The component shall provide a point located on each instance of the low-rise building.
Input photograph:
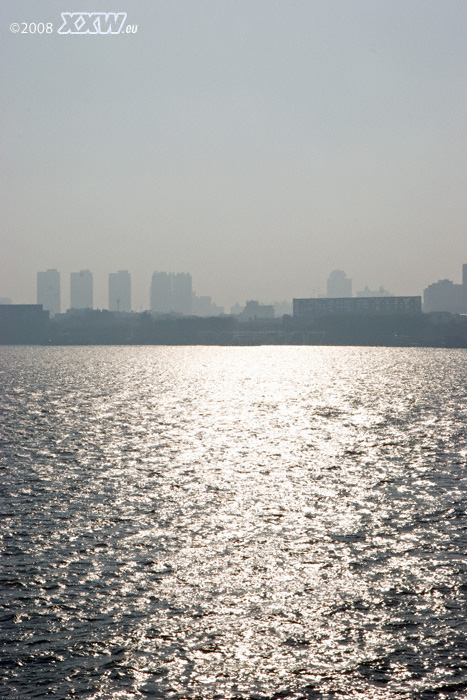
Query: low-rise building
(253, 309)
(23, 324)
(345, 306)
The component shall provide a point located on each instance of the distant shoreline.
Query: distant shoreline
(33, 327)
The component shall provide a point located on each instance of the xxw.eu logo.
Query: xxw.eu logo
(92, 22)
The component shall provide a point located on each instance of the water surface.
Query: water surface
(268, 522)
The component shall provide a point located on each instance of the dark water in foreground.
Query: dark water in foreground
(264, 522)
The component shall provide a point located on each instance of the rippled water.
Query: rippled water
(270, 522)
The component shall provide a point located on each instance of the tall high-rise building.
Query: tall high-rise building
(161, 293)
(171, 293)
(120, 291)
(339, 285)
(182, 293)
(443, 295)
(48, 291)
(81, 290)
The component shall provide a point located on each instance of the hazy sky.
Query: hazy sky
(258, 144)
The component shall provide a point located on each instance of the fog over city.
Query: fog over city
(257, 146)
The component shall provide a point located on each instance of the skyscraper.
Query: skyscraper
(182, 293)
(171, 293)
(48, 291)
(81, 290)
(120, 291)
(161, 293)
(443, 295)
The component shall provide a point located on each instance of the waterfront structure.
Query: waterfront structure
(23, 324)
(171, 293)
(81, 290)
(48, 291)
(339, 285)
(120, 291)
(346, 306)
